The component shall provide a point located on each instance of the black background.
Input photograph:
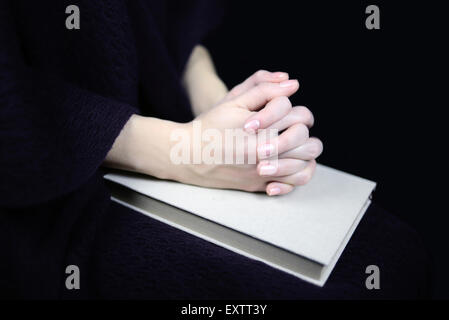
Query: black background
(377, 95)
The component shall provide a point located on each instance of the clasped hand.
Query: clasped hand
(262, 102)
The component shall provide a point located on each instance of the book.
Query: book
(302, 233)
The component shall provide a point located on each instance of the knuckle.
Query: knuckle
(260, 74)
(284, 101)
(316, 147)
(298, 135)
(260, 88)
(307, 115)
(263, 89)
(302, 130)
(301, 164)
(303, 178)
(234, 92)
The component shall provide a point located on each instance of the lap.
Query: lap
(138, 257)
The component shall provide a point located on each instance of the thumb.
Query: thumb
(258, 96)
(274, 111)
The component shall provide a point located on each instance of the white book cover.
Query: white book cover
(302, 233)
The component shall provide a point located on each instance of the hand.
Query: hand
(144, 144)
(297, 151)
(204, 87)
(295, 166)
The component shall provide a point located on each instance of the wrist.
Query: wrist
(201, 81)
(145, 146)
(150, 147)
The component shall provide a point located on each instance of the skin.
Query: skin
(260, 102)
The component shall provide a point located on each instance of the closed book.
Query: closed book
(302, 233)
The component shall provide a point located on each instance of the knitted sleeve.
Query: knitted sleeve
(53, 134)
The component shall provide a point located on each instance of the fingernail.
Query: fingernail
(287, 83)
(265, 150)
(267, 170)
(252, 126)
(280, 75)
(274, 191)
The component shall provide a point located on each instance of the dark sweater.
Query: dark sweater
(64, 97)
(66, 94)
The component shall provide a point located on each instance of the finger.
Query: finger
(300, 178)
(259, 95)
(278, 188)
(258, 77)
(274, 111)
(311, 149)
(296, 115)
(282, 167)
(291, 138)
